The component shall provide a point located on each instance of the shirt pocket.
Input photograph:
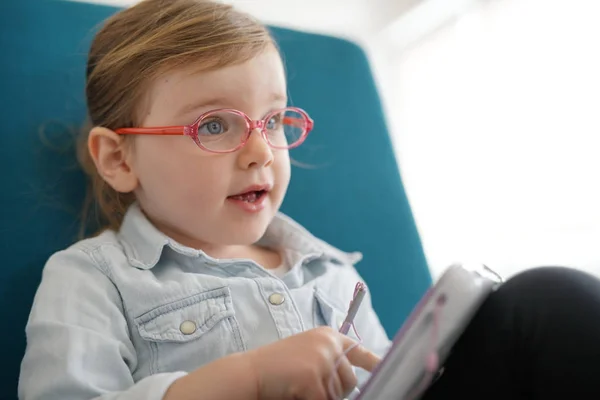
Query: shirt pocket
(328, 311)
(188, 333)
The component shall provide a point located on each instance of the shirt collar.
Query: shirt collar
(143, 243)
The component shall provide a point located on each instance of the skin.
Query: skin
(183, 189)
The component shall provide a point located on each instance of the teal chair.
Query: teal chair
(348, 190)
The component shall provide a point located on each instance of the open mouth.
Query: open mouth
(250, 197)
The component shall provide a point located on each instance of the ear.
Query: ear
(112, 156)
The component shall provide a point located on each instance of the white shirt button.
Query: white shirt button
(187, 327)
(276, 299)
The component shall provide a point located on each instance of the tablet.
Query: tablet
(423, 343)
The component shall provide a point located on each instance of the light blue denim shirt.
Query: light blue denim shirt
(122, 315)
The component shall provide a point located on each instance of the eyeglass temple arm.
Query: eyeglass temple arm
(298, 122)
(165, 130)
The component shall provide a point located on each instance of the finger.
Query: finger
(360, 356)
(317, 392)
(334, 386)
(347, 377)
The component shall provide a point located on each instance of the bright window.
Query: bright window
(496, 120)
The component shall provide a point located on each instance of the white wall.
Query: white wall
(352, 19)
(494, 108)
(496, 124)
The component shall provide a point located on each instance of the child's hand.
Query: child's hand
(301, 367)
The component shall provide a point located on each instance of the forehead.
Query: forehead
(253, 87)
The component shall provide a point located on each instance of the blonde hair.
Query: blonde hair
(134, 47)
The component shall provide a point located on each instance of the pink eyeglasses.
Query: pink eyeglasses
(227, 130)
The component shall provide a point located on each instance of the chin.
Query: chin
(244, 238)
(247, 231)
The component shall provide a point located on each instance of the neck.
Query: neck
(265, 257)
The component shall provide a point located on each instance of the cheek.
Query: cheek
(282, 170)
(176, 174)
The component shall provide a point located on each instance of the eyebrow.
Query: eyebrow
(222, 101)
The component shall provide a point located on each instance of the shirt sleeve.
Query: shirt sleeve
(78, 345)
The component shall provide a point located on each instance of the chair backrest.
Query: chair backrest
(351, 195)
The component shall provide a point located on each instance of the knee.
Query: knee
(550, 287)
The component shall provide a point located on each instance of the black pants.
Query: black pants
(537, 337)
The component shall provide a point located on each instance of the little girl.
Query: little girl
(198, 288)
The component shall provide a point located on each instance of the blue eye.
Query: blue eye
(273, 122)
(214, 127)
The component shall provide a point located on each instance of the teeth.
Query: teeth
(248, 197)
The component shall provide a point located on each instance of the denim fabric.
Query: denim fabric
(124, 314)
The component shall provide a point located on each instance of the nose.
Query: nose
(256, 152)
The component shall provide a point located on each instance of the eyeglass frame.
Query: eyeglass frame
(191, 130)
